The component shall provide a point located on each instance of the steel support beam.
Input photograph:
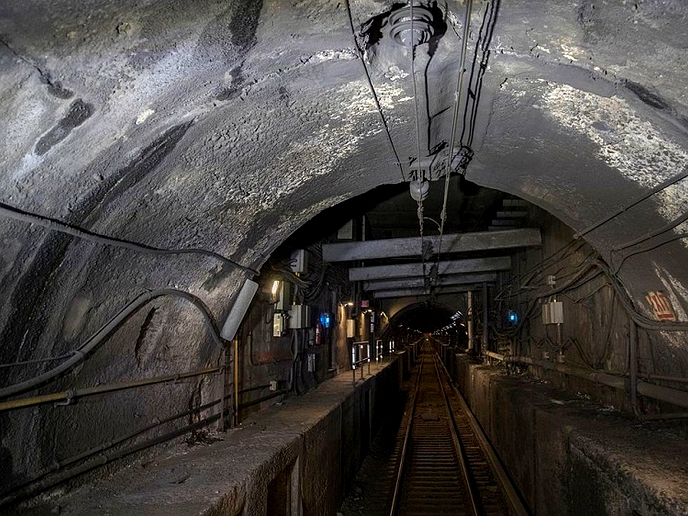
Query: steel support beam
(420, 292)
(511, 214)
(413, 270)
(454, 279)
(455, 243)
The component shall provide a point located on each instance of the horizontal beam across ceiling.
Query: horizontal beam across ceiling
(406, 283)
(408, 247)
(418, 292)
(414, 270)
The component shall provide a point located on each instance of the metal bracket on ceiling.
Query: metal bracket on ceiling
(400, 23)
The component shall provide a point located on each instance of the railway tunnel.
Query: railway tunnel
(233, 232)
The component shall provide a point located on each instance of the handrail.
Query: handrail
(355, 363)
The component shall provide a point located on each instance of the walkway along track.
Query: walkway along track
(446, 464)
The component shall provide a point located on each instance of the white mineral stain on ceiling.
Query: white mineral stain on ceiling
(634, 147)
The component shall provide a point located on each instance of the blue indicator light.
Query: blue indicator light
(513, 317)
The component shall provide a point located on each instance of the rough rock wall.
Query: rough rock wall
(227, 125)
(595, 334)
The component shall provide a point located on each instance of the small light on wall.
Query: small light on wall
(275, 290)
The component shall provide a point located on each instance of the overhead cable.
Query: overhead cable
(455, 120)
(647, 248)
(68, 229)
(420, 175)
(652, 234)
(361, 56)
(99, 336)
(661, 186)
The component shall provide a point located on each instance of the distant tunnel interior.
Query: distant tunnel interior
(239, 228)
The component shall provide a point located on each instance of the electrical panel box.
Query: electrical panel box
(311, 362)
(299, 317)
(299, 261)
(553, 313)
(350, 328)
(346, 232)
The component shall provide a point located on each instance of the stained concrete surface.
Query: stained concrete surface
(227, 125)
(570, 455)
(233, 474)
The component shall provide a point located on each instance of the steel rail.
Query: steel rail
(404, 449)
(513, 498)
(460, 451)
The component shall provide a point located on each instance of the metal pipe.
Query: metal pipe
(633, 363)
(236, 381)
(20, 491)
(222, 426)
(662, 378)
(104, 459)
(661, 186)
(90, 391)
(471, 342)
(105, 330)
(256, 388)
(660, 417)
(61, 465)
(485, 320)
(666, 394)
(494, 355)
(260, 400)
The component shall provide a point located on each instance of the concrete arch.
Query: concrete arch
(201, 125)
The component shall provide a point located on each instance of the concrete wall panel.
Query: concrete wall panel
(568, 455)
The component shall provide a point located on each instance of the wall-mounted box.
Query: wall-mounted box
(346, 232)
(299, 261)
(350, 328)
(553, 313)
(299, 317)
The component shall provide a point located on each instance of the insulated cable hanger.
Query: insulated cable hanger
(455, 120)
(420, 175)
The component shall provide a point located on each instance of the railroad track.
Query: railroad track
(446, 465)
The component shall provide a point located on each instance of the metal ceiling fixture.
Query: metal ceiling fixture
(419, 189)
(411, 25)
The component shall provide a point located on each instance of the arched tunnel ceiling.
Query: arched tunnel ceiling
(226, 125)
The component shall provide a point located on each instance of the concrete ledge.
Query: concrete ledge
(304, 453)
(569, 455)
